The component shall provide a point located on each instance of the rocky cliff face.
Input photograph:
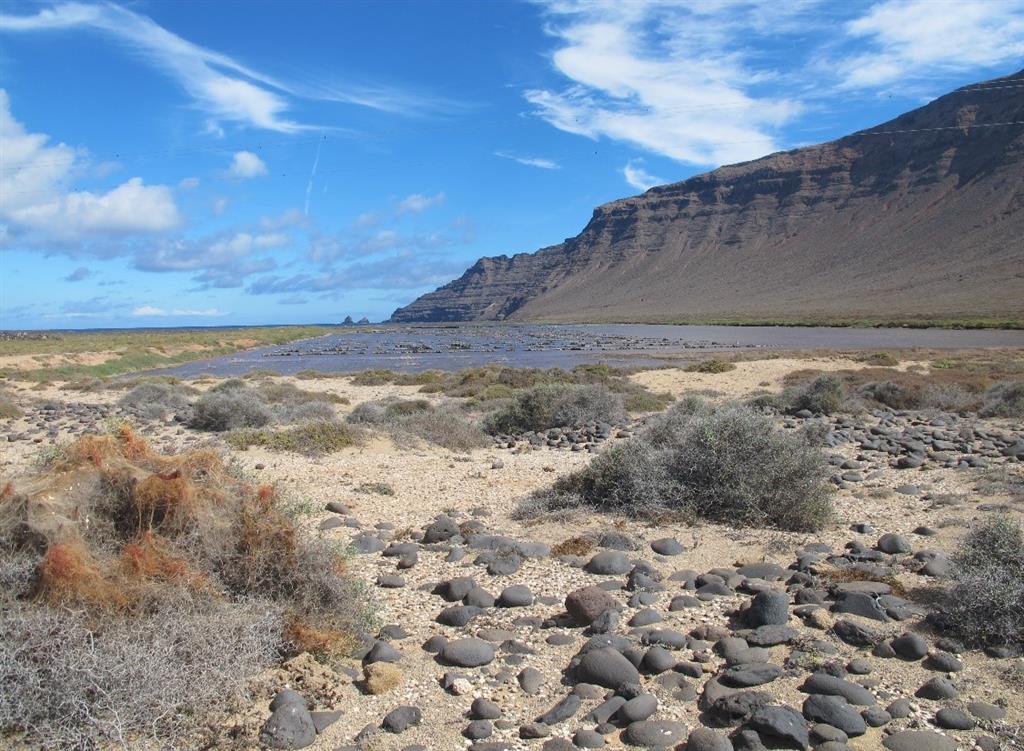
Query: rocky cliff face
(922, 216)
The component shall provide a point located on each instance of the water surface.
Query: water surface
(412, 348)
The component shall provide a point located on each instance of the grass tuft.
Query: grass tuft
(314, 438)
(714, 365)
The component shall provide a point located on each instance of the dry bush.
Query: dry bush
(555, 405)
(1005, 399)
(141, 591)
(230, 409)
(984, 606)
(445, 425)
(154, 400)
(233, 405)
(572, 546)
(8, 410)
(148, 679)
(726, 464)
(823, 395)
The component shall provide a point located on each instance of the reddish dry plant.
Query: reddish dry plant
(303, 636)
(67, 573)
(7, 493)
(132, 446)
(149, 558)
(164, 500)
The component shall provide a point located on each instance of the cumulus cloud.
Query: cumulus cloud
(245, 164)
(638, 177)
(36, 180)
(418, 202)
(530, 161)
(224, 88)
(404, 271)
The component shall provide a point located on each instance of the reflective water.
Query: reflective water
(455, 346)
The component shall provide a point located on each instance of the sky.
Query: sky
(221, 163)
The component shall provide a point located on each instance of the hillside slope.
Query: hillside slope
(881, 224)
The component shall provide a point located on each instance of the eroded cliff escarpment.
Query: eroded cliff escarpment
(920, 217)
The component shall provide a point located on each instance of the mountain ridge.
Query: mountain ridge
(920, 217)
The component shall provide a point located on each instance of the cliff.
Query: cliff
(920, 217)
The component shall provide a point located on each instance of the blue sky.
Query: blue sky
(174, 163)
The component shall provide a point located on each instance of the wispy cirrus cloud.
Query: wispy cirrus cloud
(659, 76)
(227, 90)
(913, 39)
(638, 177)
(722, 81)
(530, 161)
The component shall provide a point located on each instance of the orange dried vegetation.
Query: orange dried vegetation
(68, 573)
(164, 501)
(303, 636)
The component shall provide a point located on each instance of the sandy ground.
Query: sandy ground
(489, 483)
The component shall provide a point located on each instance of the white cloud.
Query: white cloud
(638, 177)
(218, 205)
(35, 182)
(227, 90)
(418, 202)
(245, 165)
(919, 38)
(530, 161)
(188, 183)
(665, 77)
(223, 252)
(145, 311)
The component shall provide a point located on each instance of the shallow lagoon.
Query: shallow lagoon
(455, 346)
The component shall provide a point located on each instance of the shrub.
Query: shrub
(8, 410)
(313, 438)
(145, 678)
(823, 395)
(646, 401)
(375, 488)
(1005, 399)
(154, 400)
(446, 425)
(714, 365)
(727, 464)
(892, 395)
(555, 405)
(158, 587)
(985, 602)
(878, 359)
(230, 408)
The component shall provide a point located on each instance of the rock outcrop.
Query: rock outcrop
(920, 217)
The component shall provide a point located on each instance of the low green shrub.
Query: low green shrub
(714, 365)
(726, 464)
(313, 438)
